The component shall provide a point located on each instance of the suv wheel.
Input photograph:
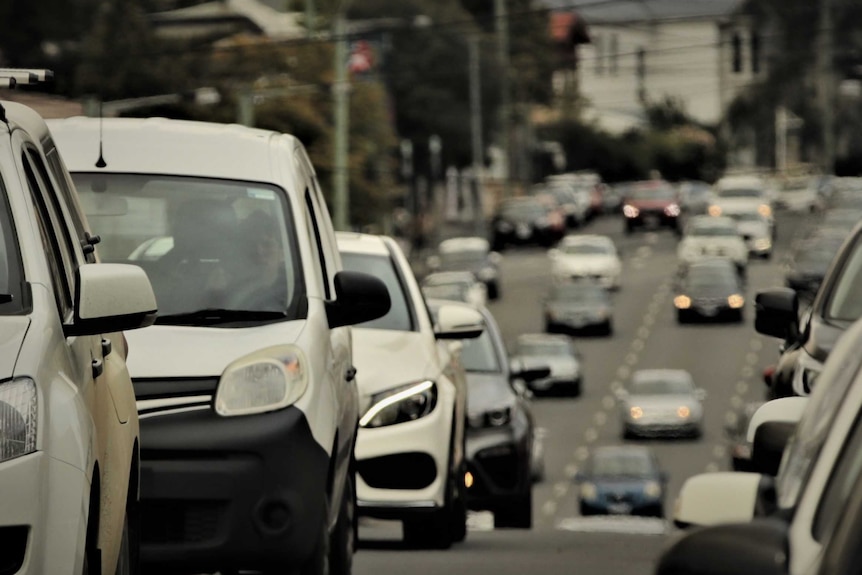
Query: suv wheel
(459, 508)
(342, 542)
(124, 561)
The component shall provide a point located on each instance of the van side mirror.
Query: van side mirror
(770, 439)
(359, 297)
(776, 313)
(112, 297)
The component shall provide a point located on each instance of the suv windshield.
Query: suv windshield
(649, 192)
(11, 274)
(213, 249)
(739, 193)
(845, 299)
(399, 317)
(479, 355)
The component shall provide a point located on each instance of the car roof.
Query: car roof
(542, 337)
(164, 146)
(27, 119)
(450, 277)
(359, 243)
(664, 374)
(572, 239)
(463, 243)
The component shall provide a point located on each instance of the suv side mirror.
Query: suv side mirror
(777, 313)
(767, 449)
(112, 297)
(359, 297)
(458, 322)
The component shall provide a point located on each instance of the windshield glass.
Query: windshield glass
(585, 249)
(479, 355)
(205, 244)
(713, 230)
(704, 279)
(451, 291)
(557, 348)
(399, 317)
(845, 299)
(11, 272)
(621, 463)
(660, 386)
(739, 193)
(462, 257)
(649, 192)
(523, 210)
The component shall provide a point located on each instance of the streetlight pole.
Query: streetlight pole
(341, 96)
(501, 19)
(476, 128)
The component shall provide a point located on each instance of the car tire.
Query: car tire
(574, 390)
(607, 328)
(459, 509)
(517, 514)
(682, 317)
(431, 531)
(124, 560)
(342, 541)
(584, 511)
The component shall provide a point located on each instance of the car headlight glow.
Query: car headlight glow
(630, 211)
(683, 412)
(401, 404)
(652, 489)
(589, 491)
(764, 210)
(735, 301)
(18, 418)
(682, 302)
(636, 412)
(714, 210)
(672, 210)
(762, 243)
(267, 380)
(805, 373)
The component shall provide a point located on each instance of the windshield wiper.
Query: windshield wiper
(213, 316)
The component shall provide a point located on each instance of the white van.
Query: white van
(245, 385)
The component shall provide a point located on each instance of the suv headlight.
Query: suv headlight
(398, 405)
(18, 418)
(805, 373)
(267, 380)
(652, 489)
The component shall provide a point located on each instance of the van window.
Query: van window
(845, 301)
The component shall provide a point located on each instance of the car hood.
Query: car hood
(699, 242)
(588, 263)
(388, 358)
(13, 329)
(753, 229)
(737, 205)
(577, 307)
(186, 351)
(608, 484)
(488, 391)
(822, 337)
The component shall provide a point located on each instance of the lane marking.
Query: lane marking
(741, 387)
(549, 507)
(628, 525)
(560, 489)
(608, 402)
(638, 345)
(591, 435)
(600, 418)
(752, 358)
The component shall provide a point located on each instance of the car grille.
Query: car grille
(160, 395)
(398, 471)
(169, 521)
(619, 497)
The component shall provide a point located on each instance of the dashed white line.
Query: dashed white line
(560, 489)
(608, 402)
(600, 418)
(631, 359)
(591, 435)
(638, 345)
(741, 387)
(752, 358)
(549, 507)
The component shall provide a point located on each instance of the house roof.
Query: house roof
(624, 11)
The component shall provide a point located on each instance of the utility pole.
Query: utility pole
(826, 85)
(341, 96)
(476, 127)
(310, 17)
(501, 19)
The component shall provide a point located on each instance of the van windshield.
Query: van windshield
(216, 251)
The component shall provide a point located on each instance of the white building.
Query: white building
(698, 52)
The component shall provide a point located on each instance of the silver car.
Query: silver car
(661, 402)
(555, 351)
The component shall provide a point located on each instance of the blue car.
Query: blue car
(622, 480)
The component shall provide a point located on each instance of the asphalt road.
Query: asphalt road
(725, 359)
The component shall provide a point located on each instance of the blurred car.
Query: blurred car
(587, 256)
(409, 457)
(807, 265)
(612, 198)
(558, 353)
(578, 306)
(472, 254)
(799, 194)
(500, 431)
(735, 194)
(757, 232)
(694, 197)
(736, 432)
(525, 220)
(574, 208)
(708, 237)
(841, 219)
(621, 480)
(709, 289)
(459, 286)
(661, 402)
(651, 204)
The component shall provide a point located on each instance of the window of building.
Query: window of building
(755, 52)
(613, 65)
(737, 53)
(599, 54)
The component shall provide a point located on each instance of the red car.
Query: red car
(652, 204)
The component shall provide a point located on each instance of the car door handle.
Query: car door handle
(98, 368)
(350, 374)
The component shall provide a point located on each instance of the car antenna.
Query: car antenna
(100, 163)
(12, 77)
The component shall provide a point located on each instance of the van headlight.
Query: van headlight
(267, 380)
(401, 404)
(18, 418)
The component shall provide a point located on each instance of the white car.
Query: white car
(586, 256)
(733, 194)
(245, 383)
(69, 433)
(460, 286)
(413, 391)
(757, 230)
(707, 237)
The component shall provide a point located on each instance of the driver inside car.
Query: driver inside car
(262, 285)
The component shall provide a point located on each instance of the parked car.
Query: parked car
(793, 516)
(459, 286)
(621, 480)
(661, 402)
(410, 456)
(578, 306)
(709, 290)
(556, 351)
(501, 435)
(587, 256)
(469, 254)
(524, 220)
(244, 384)
(808, 338)
(69, 432)
(651, 204)
(708, 237)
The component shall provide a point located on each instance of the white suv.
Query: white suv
(69, 440)
(245, 385)
(413, 393)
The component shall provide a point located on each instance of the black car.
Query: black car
(709, 290)
(578, 306)
(525, 220)
(809, 339)
(500, 430)
(621, 480)
(471, 254)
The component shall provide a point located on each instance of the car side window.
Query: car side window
(322, 224)
(64, 185)
(843, 480)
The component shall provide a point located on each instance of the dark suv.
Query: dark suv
(652, 204)
(809, 339)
